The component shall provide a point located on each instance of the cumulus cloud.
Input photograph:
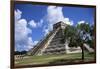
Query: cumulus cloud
(22, 40)
(40, 23)
(21, 32)
(35, 42)
(17, 14)
(54, 15)
(32, 23)
(45, 30)
(31, 43)
(82, 21)
(67, 21)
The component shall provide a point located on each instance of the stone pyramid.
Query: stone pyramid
(53, 43)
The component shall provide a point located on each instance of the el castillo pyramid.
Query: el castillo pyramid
(53, 43)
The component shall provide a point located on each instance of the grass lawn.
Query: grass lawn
(48, 59)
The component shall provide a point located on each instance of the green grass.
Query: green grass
(47, 59)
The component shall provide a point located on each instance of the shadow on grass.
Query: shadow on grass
(65, 61)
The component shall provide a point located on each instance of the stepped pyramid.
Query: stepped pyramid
(53, 43)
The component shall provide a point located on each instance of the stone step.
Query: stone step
(54, 40)
(55, 49)
(88, 48)
(56, 45)
(55, 52)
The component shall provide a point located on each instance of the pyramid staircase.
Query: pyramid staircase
(53, 43)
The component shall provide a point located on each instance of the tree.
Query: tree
(70, 32)
(23, 52)
(72, 35)
(16, 53)
(92, 34)
(77, 36)
(84, 34)
(20, 52)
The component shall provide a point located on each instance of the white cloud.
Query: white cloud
(35, 42)
(67, 21)
(22, 41)
(21, 30)
(30, 43)
(40, 23)
(54, 15)
(82, 21)
(18, 14)
(45, 30)
(32, 23)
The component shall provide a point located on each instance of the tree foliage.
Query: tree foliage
(78, 35)
(20, 52)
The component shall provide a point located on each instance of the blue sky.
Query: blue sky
(33, 22)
